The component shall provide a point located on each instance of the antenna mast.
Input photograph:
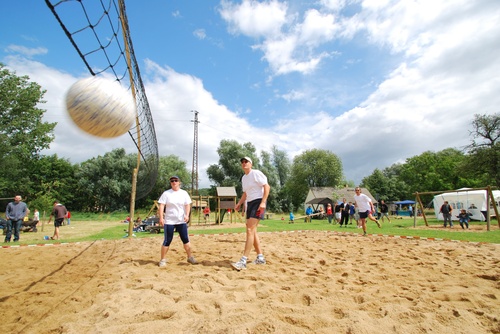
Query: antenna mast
(194, 172)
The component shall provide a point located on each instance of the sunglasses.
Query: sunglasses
(174, 180)
(244, 161)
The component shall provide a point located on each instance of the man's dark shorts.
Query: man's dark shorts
(364, 214)
(58, 222)
(253, 208)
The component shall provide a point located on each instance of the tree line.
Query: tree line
(102, 184)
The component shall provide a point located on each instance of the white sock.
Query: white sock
(244, 259)
(260, 256)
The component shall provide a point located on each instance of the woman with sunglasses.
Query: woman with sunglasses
(175, 206)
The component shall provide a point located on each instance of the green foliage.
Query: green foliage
(281, 201)
(313, 168)
(228, 172)
(484, 151)
(168, 166)
(104, 183)
(53, 178)
(23, 134)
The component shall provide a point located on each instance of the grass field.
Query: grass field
(90, 227)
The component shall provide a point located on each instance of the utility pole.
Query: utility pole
(194, 171)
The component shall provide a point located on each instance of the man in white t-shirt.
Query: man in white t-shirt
(175, 206)
(365, 207)
(255, 193)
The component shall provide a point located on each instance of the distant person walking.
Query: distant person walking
(15, 213)
(255, 193)
(384, 211)
(365, 206)
(59, 212)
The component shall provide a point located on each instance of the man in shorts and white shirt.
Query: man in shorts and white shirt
(255, 193)
(365, 206)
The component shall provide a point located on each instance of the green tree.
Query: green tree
(168, 166)
(433, 171)
(484, 151)
(387, 184)
(104, 183)
(271, 172)
(282, 164)
(228, 172)
(23, 134)
(53, 178)
(313, 168)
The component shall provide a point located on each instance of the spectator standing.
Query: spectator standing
(446, 210)
(344, 214)
(36, 217)
(352, 213)
(68, 217)
(329, 213)
(15, 213)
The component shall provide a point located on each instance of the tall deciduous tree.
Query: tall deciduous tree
(484, 151)
(23, 134)
(228, 172)
(282, 164)
(432, 171)
(386, 184)
(168, 166)
(313, 168)
(104, 183)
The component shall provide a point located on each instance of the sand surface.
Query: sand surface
(313, 282)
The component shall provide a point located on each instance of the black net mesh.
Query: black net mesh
(98, 30)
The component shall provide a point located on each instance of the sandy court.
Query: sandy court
(317, 282)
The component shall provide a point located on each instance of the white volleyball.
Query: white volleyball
(101, 107)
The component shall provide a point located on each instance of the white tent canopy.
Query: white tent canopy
(473, 201)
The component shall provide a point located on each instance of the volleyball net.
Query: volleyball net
(99, 32)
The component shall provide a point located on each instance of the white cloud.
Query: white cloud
(253, 18)
(28, 52)
(200, 33)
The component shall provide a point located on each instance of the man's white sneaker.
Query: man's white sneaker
(163, 263)
(259, 260)
(239, 265)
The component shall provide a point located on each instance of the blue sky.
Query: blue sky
(374, 82)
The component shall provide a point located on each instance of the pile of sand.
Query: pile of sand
(321, 282)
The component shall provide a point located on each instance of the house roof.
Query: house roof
(226, 191)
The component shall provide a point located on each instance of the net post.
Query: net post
(132, 203)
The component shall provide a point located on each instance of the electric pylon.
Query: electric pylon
(194, 172)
